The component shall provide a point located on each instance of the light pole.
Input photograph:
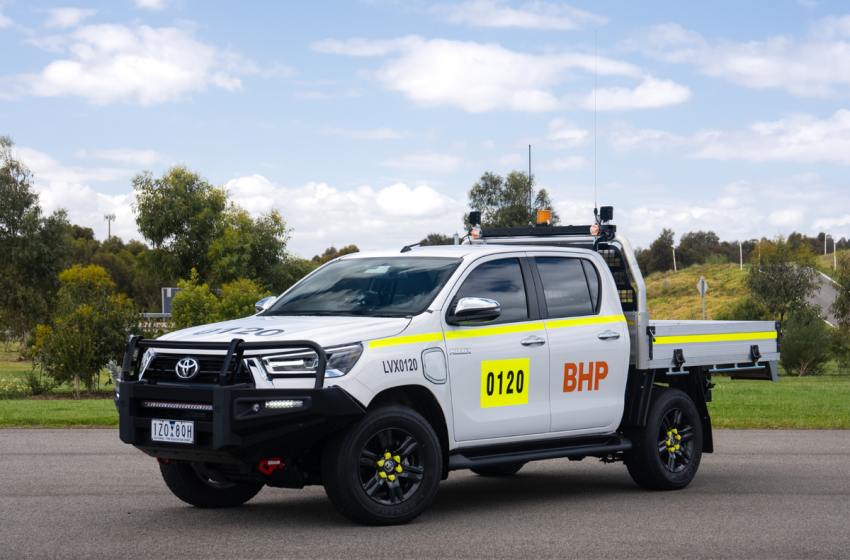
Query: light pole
(674, 260)
(741, 252)
(109, 219)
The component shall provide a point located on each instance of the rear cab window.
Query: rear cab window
(570, 286)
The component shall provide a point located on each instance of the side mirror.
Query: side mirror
(264, 303)
(474, 309)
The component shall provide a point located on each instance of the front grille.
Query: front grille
(162, 369)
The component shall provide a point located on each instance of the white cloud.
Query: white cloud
(533, 15)
(562, 135)
(426, 160)
(488, 144)
(808, 3)
(144, 65)
(124, 155)
(5, 21)
(650, 94)
(153, 5)
(799, 138)
(49, 169)
(382, 133)
(369, 218)
(817, 65)
(67, 17)
(486, 77)
(49, 43)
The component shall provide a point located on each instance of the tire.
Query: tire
(198, 486)
(658, 460)
(384, 470)
(499, 470)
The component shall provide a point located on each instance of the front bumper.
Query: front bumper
(233, 432)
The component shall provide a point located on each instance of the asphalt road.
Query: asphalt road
(824, 297)
(763, 494)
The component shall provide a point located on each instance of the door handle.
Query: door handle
(533, 341)
(609, 335)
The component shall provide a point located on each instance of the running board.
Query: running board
(487, 456)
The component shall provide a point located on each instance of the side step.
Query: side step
(490, 455)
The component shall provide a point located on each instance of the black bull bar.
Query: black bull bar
(232, 423)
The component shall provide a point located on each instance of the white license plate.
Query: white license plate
(174, 431)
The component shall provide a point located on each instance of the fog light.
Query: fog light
(284, 404)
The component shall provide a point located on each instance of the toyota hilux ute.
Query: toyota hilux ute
(380, 372)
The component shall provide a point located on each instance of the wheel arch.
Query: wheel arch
(423, 401)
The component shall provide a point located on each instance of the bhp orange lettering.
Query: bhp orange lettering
(582, 377)
(569, 378)
(601, 373)
(575, 375)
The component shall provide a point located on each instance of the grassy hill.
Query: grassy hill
(674, 295)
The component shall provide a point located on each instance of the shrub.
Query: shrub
(716, 258)
(665, 286)
(13, 389)
(238, 299)
(745, 309)
(195, 305)
(805, 342)
(839, 346)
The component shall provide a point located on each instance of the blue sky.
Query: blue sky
(367, 122)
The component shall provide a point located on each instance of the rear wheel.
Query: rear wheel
(200, 486)
(499, 470)
(385, 469)
(666, 452)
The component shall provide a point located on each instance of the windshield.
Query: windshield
(397, 286)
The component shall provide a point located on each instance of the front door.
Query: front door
(588, 343)
(499, 370)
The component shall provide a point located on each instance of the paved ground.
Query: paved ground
(824, 297)
(764, 494)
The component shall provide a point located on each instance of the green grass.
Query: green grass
(68, 413)
(792, 403)
(674, 295)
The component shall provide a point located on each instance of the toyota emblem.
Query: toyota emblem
(187, 368)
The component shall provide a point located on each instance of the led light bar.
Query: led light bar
(284, 404)
(177, 406)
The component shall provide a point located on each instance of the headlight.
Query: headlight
(341, 360)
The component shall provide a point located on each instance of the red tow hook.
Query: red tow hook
(163, 462)
(268, 466)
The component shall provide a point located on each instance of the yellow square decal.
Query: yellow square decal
(504, 382)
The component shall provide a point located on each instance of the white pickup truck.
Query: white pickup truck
(379, 373)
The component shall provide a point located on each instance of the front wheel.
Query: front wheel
(385, 469)
(202, 487)
(666, 452)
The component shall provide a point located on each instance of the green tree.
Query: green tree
(32, 249)
(841, 306)
(504, 201)
(181, 215)
(238, 299)
(194, 305)
(781, 279)
(696, 246)
(90, 328)
(246, 248)
(659, 256)
(805, 342)
(437, 239)
(332, 253)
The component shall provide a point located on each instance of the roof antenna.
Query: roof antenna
(530, 189)
(595, 56)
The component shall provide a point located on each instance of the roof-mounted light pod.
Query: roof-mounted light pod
(544, 217)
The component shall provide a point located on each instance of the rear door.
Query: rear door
(499, 370)
(588, 342)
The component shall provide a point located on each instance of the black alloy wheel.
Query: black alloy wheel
(676, 440)
(666, 453)
(391, 466)
(385, 469)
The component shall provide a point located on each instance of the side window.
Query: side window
(593, 283)
(502, 281)
(565, 287)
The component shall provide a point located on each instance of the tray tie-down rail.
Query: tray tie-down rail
(234, 351)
